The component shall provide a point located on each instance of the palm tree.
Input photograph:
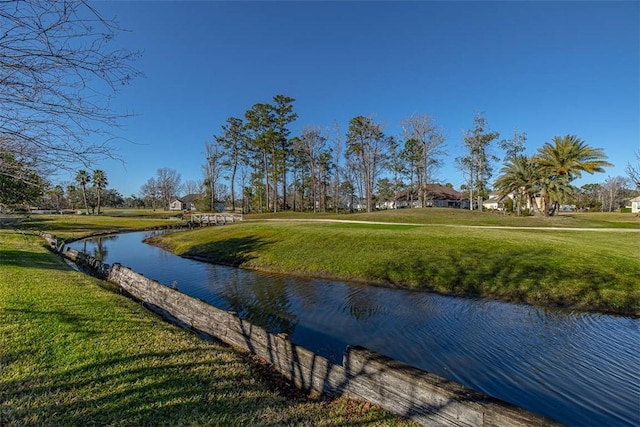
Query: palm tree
(556, 190)
(570, 156)
(519, 176)
(99, 183)
(58, 193)
(562, 161)
(83, 178)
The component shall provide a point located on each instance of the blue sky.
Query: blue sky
(544, 68)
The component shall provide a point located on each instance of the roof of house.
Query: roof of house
(190, 198)
(440, 192)
(493, 199)
(635, 199)
(436, 192)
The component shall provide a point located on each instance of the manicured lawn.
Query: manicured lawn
(75, 353)
(594, 270)
(442, 216)
(77, 226)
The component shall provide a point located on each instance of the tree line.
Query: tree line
(316, 170)
(320, 169)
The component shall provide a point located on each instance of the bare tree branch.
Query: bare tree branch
(58, 75)
(633, 171)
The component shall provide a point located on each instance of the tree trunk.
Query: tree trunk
(84, 196)
(266, 181)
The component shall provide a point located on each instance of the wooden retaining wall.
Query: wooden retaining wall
(363, 375)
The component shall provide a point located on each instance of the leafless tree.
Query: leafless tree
(612, 193)
(150, 192)
(168, 182)
(212, 171)
(367, 149)
(192, 187)
(633, 171)
(477, 163)
(337, 153)
(311, 145)
(428, 139)
(58, 74)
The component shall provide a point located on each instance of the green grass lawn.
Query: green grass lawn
(75, 353)
(595, 270)
(442, 216)
(77, 226)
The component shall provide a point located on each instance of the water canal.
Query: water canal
(581, 369)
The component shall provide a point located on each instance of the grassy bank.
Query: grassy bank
(77, 226)
(580, 269)
(444, 216)
(74, 353)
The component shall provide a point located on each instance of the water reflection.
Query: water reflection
(267, 306)
(361, 306)
(577, 368)
(98, 246)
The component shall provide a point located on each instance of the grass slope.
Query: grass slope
(445, 216)
(70, 227)
(583, 269)
(74, 353)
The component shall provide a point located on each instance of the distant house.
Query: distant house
(493, 203)
(437, 196)
(635, 205)
(186, 203)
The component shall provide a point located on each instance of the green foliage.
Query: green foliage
(20, 185)
(269, 146)
(233, 141)
(99, 183)
(514, 146)
(570, 156)
(520, 177)
(508, 205)
(477, 162)
(549, 174)
(562, 161)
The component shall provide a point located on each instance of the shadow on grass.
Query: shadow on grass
(186, 384)
(154, 388)
(17, 258)
(233, 252)
(517, 276)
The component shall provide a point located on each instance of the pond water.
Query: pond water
(577, 368)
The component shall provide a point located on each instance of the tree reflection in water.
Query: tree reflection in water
(363, 305)
(265, 305)
(99, 247)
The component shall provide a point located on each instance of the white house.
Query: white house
(635, 205)
(185, 203)
(493, 203)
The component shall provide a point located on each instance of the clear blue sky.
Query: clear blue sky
(544, 68)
